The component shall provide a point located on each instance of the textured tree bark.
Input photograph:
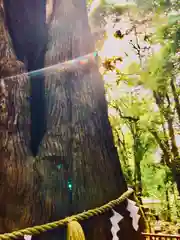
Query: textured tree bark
(16, 179)
(175, 96)
(78, 129)
(26, 21)
(78, 145)
(32, 205)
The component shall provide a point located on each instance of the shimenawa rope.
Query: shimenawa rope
(75, 231)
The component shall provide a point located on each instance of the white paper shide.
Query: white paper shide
(115, 219)
(27, 237)
(133, 209)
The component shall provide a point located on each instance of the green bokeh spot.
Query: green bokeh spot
(95, 54)
(70, 185)
(59, 166)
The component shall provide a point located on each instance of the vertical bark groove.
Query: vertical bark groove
(16, 162)
(26, 21)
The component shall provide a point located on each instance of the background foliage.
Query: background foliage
(142, 86)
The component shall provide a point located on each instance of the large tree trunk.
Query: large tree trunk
(78, 123)
(78, 145)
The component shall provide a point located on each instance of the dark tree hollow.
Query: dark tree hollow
(26, 22)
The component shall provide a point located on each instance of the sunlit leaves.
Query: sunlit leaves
(139, 122)
(157, 71)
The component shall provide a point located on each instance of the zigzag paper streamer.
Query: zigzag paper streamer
(115, 219)
(27, 237)
(133, 209)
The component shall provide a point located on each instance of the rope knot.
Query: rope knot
(75, 231)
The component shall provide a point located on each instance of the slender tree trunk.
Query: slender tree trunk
(137, 160)
(176, 97)
(168, 215)
(174, 191)
(138, 153)
(124, 155)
